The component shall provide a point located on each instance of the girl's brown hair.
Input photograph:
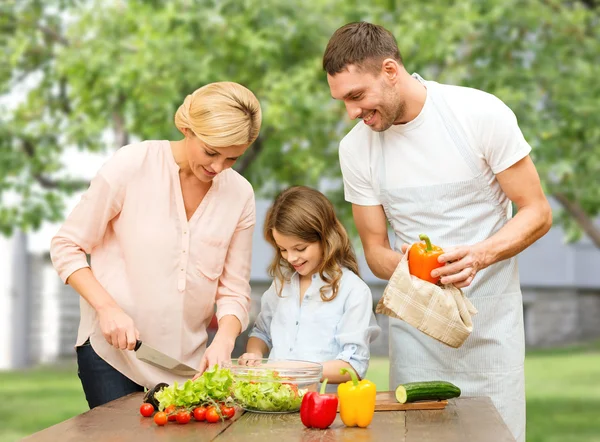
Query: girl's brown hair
(307, 214)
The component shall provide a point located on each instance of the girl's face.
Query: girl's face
(305, 257)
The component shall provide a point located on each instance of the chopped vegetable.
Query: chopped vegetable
(267, 393)
(213, 386)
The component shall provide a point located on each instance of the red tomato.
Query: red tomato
(212, 415)
(160, 418)
(170, 413)
(200, 413)
(147, 410)
(183, 417)
(227, 412)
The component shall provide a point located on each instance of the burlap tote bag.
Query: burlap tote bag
(442, 312)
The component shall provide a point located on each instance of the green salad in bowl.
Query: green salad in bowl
(273, 386)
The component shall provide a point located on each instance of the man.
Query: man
(445, 161)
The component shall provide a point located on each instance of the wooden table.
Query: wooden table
(463, 420)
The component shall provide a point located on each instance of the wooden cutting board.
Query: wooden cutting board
(386, 401)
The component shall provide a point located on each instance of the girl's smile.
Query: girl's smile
(305, 257)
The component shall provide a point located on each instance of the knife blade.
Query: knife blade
(152, 356)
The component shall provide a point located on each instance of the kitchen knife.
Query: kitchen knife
(158, 359)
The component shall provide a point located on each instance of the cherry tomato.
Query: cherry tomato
(200, 413)
(183, 417)
(160, 418)
(147, 410)
(227, 412)
(212, 415)
(169, 411)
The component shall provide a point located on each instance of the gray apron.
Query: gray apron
(491, 361)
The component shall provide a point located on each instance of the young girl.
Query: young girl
(317, 309)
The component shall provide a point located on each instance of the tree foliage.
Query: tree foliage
(97, 74)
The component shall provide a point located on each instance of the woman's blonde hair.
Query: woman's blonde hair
(307, 214)
(221, 114)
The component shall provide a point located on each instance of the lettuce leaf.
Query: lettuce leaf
(213, 385)
(267, 393)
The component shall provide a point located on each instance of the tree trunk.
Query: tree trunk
(251, 154)
(579, 215)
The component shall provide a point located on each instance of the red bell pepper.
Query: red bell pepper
(318, 410)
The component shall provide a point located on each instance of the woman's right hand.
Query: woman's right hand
(251, 359)
(118, 328)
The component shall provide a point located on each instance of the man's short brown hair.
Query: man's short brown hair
(362, 44)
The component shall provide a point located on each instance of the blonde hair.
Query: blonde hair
(221, 114)
(307, 214)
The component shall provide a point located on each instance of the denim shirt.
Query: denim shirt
(318, 330)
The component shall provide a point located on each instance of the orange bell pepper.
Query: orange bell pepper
(423, 258)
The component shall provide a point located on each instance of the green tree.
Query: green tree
(125, 66)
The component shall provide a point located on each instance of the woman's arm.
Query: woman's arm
(233, 291)
(117, 327)
(83, 229)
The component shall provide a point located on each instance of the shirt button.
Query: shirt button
(184, 251)
(182, 270)
(291, 348)
(296, 322)
(185, 233)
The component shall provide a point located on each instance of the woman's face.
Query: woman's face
(206, 162)
(305, 257)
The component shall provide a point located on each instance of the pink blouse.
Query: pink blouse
(166, 272)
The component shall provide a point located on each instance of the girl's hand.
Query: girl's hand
(250, 359)
(118, 328)
(218, 352)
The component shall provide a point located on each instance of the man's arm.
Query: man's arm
(371, 224)
(521, 184)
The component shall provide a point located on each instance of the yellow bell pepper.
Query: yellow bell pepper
(357, 401)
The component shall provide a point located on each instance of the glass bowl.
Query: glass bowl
(273, 385)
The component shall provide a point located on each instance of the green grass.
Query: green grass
(563, 395)
(36, 399)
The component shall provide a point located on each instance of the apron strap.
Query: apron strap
(452, 125)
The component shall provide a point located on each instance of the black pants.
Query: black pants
(101, 382)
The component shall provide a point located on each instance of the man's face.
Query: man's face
(368, 96)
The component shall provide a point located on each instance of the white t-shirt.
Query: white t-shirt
(421, 152)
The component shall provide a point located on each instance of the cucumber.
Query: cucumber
(426, 391)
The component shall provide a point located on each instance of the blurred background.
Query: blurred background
(78, 79)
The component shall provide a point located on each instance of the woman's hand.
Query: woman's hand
(250, 359)
(218, 351)
(118, 328)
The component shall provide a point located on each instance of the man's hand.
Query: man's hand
(462, 264)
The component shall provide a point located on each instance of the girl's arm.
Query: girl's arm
(357, 327)
(331, 371)
(257, 347)
(259, 342)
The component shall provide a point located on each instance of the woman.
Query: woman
(168, 225)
